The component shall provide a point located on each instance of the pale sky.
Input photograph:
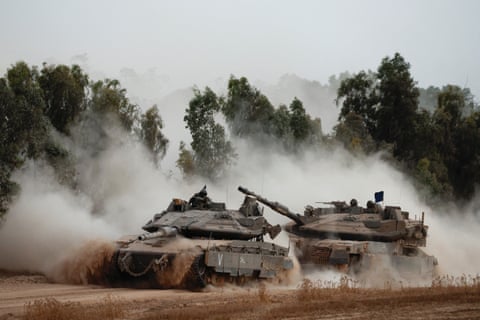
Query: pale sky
(194, 42)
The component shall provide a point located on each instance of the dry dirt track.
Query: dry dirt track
(242, 303)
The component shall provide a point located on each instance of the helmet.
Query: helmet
(353, 203)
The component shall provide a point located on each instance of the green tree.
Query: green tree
(248, 112)
(305, 130)
(299, 120)
(64, 90)
(387, 101)
(211, 150)
(427, 175)
(451, 101)
(358, 95)
(108, 98)
(151, 133)
(29, 106)
(11, 139)
(12, 134)
(447, 119)
(466, 167)
(458, 139)
(186, 161)
(398, 104)
(352, 132)
(427, 162)
(281, 126)
(426, 136)
(23, 127)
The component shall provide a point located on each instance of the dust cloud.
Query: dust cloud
(45, 221)
(120, 189)
(175, 275)
(87, 264)
(453, 239)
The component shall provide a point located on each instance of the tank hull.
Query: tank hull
(357, 257)
(182, 263)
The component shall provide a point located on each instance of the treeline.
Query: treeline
(432, 134)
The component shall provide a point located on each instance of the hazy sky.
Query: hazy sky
(192, 42)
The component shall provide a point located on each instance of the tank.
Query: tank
(198, 242)
(355, 239)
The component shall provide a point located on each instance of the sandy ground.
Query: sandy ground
(17, 290)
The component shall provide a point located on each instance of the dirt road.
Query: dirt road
(18, 291)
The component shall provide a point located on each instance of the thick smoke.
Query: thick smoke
(120, 189)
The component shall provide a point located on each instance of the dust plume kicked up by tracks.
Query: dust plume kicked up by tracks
(87, 264)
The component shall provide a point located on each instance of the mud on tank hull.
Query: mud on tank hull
(193, 264)
(354, 257)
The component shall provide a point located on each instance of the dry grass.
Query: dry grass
(447, 297)
(316, 300)
(262, 293)
(52, 309)
(215, 311)
(310, 290)
(465, 281)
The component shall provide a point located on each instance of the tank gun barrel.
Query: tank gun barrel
(278, 207)
(162, 232)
